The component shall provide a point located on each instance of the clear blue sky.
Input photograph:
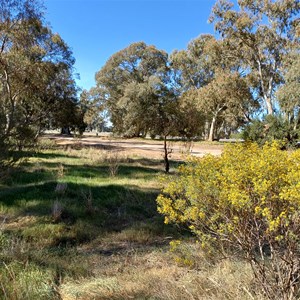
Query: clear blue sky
(96, 29)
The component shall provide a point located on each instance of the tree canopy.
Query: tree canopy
(259, 33)
(133, 85)
(37, 87)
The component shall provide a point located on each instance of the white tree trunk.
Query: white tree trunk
(212, 129)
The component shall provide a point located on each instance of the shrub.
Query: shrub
(247, 201)
(270, 129)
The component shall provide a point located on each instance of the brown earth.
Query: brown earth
(152, 149)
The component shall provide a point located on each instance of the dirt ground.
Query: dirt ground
(152, 149)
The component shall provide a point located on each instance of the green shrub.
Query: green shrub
(247, 201)
(270, 129)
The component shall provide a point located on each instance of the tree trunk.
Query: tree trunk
(212, 129)
(266, 90)
(296, 121)
(269, 105)
(166, 156)
(11, 112)
(206, 129)
(65, 130)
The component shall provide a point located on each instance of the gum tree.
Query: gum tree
(259, 34)
(131, 84)
(211, 79)
(225, 101)
(36, 80)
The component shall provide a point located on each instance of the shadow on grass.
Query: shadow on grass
(109, 202)
(125, 170)
(108, 206)
(89, 212)
(51, 155)
(20, 196)
(19, 177)
(150, 162)
(46, 155)
(47, 171)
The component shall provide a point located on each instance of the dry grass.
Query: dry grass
(57, 210)
(136, 274)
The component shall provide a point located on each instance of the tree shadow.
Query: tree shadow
(19, 177)
(47, 171)
(149, 162)
(50, 155)
(108, 206)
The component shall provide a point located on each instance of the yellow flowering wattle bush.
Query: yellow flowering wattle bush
(247, 199)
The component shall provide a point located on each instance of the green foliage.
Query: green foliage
(259, 33)
(92, 108)
(247, 201)
(36, 80)
(270, 129)
(213, 93)
(225, 100)
(133, 86)
(213, 87)
(289, 93)
(193, 65)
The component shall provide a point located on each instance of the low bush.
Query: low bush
(269, 129)
(245, 202)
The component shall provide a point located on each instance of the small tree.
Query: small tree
(36, 77)
(247, 200)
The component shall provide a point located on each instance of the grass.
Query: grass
(70, 229)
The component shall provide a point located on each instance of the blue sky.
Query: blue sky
(96, 29)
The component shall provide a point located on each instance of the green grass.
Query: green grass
(99, 236)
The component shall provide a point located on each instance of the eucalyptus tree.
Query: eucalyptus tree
(133, 84)
(289, 93)
(36, 77)
(94, 113)
(191, 121)
(191, 70)
(192, 67)
(259, 34)
(213, 85)
(225, 101)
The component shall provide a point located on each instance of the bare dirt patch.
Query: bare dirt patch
(152, 149)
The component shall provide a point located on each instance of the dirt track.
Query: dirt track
(141, 147)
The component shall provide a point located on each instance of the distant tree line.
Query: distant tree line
(247, 76)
